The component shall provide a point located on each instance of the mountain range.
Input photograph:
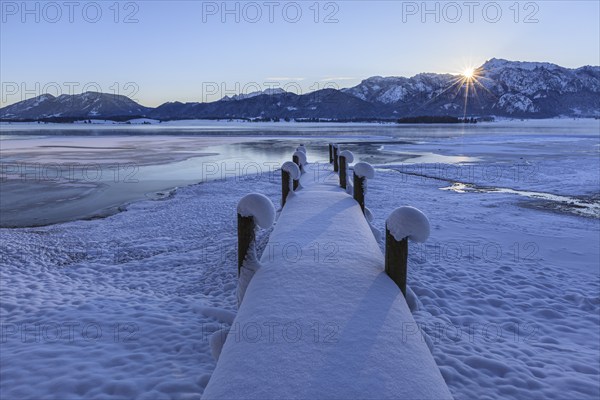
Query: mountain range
(499, 88)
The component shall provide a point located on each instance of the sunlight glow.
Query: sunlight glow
(467, 85)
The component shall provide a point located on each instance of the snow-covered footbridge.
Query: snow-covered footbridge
(322, 314)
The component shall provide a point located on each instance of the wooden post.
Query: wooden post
(335, 159)
(285, 186)
(343, 166)
(359, 191)
(297, 181)
(396, 256)
(330, 153)
(246, 232)
(296, 161)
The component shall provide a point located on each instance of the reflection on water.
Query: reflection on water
(163, 157)
(38, 194)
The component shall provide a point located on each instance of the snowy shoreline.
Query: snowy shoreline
(247, 125)
(495, 311)
(137, 149)
(507, 295)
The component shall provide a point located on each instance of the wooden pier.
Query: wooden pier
(324, 316)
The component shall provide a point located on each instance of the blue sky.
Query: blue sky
(158, 51)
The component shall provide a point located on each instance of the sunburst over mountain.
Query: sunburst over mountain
(497, 88)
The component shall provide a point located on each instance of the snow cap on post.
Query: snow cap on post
(301, 157)
(347, 154)
(259, 207)
(408, 222)
(364, 170)
(292, 169)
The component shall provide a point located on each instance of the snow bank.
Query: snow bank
(408, 222)
(348, 155)
(258, 206)
(144, 289)
(364, 170)
(216, 342)
(292, 169)
(368, 215)
(249, 268)
(220, 314)
(301, 157)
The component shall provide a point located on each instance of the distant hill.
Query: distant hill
(501, 88)
(85, 105)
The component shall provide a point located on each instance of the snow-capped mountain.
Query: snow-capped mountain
(542, 88)
(500, 87)
(242, 96)
(85, 105)
(325, 104)
(393, 90)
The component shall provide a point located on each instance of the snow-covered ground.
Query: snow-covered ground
(120, 307)
(507, 287)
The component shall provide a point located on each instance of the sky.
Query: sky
(159, 51)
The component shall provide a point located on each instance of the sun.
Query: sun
(469, 73)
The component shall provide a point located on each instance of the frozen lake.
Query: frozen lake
(58, 173)
(505, 291)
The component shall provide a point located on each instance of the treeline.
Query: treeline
(344, 120)
(70, 120)
(405, 120)
(300, 120)
(436, 120)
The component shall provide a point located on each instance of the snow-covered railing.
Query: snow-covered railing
(253, 210)
(404, 223)
(362, 172)
(334, 156)
(299, 158)
(345, 157)
(289, 172)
